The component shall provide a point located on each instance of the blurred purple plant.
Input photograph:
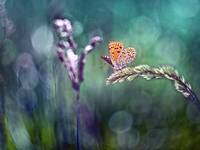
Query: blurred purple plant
(73, 63)
(5, 21)
(7, 26)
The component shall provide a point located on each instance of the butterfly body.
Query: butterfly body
(119, 57)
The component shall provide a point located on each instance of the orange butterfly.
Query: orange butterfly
(119, 56)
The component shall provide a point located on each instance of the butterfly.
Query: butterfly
(119, 57)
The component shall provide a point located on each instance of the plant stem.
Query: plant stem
(78, 147)
(192, 96)
(194, 99)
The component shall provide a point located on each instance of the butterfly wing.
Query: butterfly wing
(115, 50)
(127, 56)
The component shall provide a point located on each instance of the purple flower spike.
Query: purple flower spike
(92, 44)
(94, 41)
(73, 63)
(63, 25)
(67, 26)
(82, 59)
(58, 23)
(64, 30)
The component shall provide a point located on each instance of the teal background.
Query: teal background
(37, 101)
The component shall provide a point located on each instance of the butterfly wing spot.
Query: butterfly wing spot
(115, 49)
(114, 44)
(131, 51)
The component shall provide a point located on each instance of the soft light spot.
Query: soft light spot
(78, 28)
(185, 8)
(27, 74)
(169, 50)
(155, 138)
(145, 31)
(128, 140)
(42, 40)
(2, 2)
(120, 122)
(88, 137)
(29, 78)
(24, 60)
